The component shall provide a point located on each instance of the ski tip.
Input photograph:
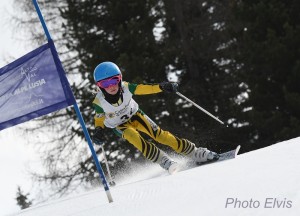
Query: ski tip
(237, 150)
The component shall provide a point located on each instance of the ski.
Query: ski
(227, 155)
(223, 156)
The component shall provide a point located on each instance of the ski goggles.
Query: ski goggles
(109, 82)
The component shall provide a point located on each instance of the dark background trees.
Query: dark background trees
(267, 46)
(237, 59)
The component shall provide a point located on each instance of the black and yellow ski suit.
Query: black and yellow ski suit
(140, 122)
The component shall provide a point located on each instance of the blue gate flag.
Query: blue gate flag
(32, 86)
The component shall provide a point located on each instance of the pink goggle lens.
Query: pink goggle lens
(109, 82)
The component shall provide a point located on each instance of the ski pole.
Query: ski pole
(199, 107)
(111, 181)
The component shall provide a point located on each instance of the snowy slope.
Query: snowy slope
(262, 182)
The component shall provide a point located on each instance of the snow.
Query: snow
(261, 182)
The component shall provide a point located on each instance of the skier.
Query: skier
(116, 109)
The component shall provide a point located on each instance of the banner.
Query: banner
(32, 86)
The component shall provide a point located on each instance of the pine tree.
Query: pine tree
(197, 40)
(22, 199)
(267, 35)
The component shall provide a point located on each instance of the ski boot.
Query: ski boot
(168, 164)
(202, 155)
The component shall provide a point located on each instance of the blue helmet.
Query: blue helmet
(106, 70)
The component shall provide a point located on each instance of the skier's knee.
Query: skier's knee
(130, 134)
(164, 137)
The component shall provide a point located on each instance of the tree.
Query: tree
(198, 45)
(22, 199)
(267, 48)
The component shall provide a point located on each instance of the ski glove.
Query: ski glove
(98, 136)
(169, 87)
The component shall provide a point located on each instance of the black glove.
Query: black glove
(169, 87)
(98, 137)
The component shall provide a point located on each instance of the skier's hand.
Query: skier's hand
(169, 87)
(98, 136)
